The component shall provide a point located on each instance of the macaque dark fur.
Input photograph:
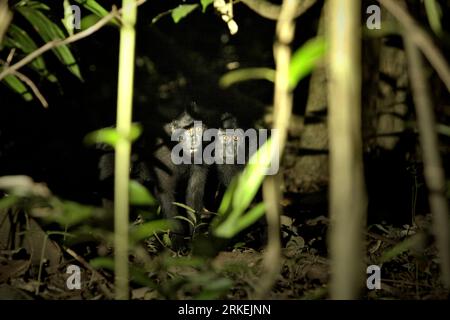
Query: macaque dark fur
(226, 172)
(175, 181)
(183, 183)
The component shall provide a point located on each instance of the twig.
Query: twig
(25, 79)
(56, 43)
(433, 170)
(421, 39)
(60, 42)
(10, 56)
(33, 87)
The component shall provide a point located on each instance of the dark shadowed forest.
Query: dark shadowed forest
(224, 149)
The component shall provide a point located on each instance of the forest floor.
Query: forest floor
(409, 267)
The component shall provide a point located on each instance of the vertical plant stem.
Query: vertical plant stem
(5, 18)
(347, 195)
(282, 113)
(123, 146)
(434, 173)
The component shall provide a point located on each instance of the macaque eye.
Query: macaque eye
(225, 138)
(235, 138)
(199, 129)
(180, 138)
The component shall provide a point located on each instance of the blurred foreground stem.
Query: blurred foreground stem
(347, 194)
(282, 113)
(433, 170)
(123, 146)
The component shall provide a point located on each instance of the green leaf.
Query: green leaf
(105, 135)
(139, 195)
(443, 129)
(251, 216)
(434, 14)
(96, 9)
(305, 59)
(205, 4)
(50, 31)
(70, 213)
(148, 229)
(105, 263)
(32, 4)
(184, 206)
(110, 136)
(182, 11)
(252, 177)
(68, 17)
(89, 21)
(234, 76)
(19, 38)
(230, 227)
(8, 202)
(239, 195)
(192, 223)
(409, 243)
(18, 86)
(226, 203)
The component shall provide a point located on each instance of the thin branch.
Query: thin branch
(33, 87)
(10, 56)
(421, 39)
(433, 170)
(282, 112)
(60, 42)
(56, 43)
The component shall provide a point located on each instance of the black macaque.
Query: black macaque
(173, 180)
(231, 143)
(169, 180)
(221, 174)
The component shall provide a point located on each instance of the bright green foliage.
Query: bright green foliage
(49, 31)
(434, 14)
(110, 136)
(96, 9)
(205, 4)
(68, 17)
(139, 195)
(148, 229)
(182, 11)
(239, 75)
(20, 39)
(305, 59)
(15, 84)
(233, 217)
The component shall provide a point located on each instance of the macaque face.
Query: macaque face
(192, 138)
(229, 142)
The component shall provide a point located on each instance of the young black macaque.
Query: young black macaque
(231, 144)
